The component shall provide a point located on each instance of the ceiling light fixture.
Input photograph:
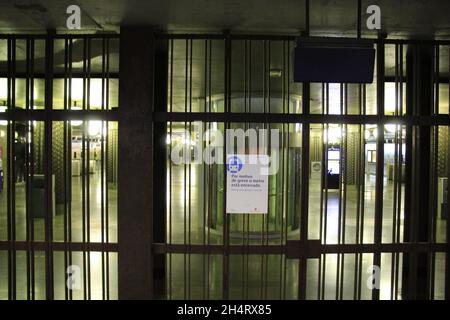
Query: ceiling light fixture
(275, 73)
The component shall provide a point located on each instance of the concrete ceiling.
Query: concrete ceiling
(400, 18)
(405, 18)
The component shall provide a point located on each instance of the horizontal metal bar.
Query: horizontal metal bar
(194, 36)
(212, 36)
(221, 36)
(109, 35)
(59, 115)
(61, 36)
(299, 118)
(295, 249)
(415, 41)
(23, 36)
(161, 248)
(58, 246)
(40, 75)
(311, 250)
(406, 247)
(391, 79)
(115, 75)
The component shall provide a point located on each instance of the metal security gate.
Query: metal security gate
(358, 207)
(58, 146)
(360, 190)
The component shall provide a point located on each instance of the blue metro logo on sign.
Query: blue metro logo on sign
(247, 183)
(234, 164)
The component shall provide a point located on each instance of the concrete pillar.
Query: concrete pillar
(135, 188)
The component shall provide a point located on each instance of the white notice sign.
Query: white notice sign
(247, 183)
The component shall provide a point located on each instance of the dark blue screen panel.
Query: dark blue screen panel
(337, 65)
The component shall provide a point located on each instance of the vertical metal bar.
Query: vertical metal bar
(286, 220)
(447, 233)
(359, 180)
(307, 14)
(358, 33)
(186, 81)
(31, 168)
(380, 162)
(27, 168)
(304, 191)
(325, 186)
(306, 91)
(10, 191)
(394, 256)
(245, 216)
(399, 236)
(264, 94)
(205, 168)
(170, 170)
(83, 195)
(247, 89)
(250, 76)
(88, 178)
(107, 107)
(85, 171)
(264, 74)
(210, 169)
(267, 216)
(245, 74)
(12, 105)
(227, 91)
(10, 186)
(67, 175)
(322, 185)
(69, 162)
(190, 166)
(268, 76)
(66, 160)
(344, 135)
(341, 182)
(48, 162)
(433, 205)
(400, 169)
(363, 171)
(9, 172)
(268, 125)
(285, 163)
(407, 281)
(103, 186)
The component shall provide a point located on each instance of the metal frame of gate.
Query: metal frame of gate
(45, 244)
(303, 248)
(163, 115)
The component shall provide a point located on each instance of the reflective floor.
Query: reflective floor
(272, 276)
(95, 234)
(201, 276)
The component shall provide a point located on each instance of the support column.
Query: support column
(135, 188)
(419, 95)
